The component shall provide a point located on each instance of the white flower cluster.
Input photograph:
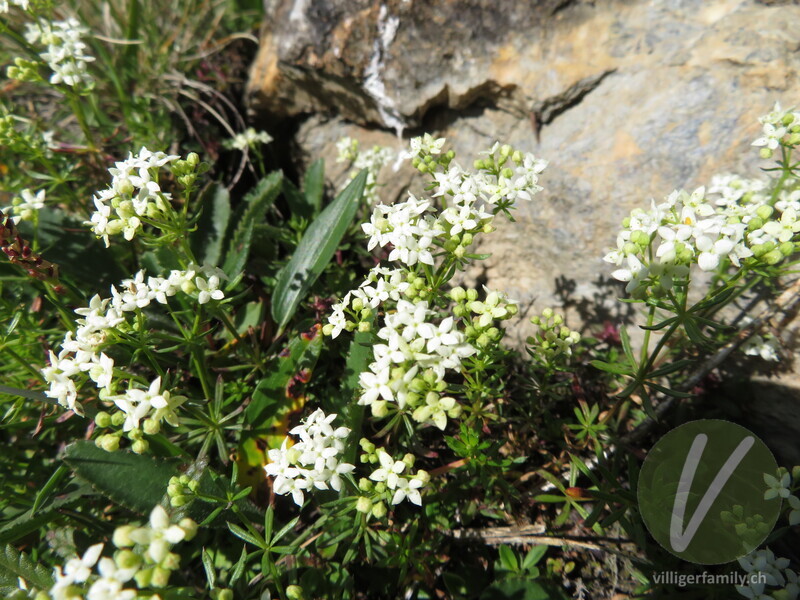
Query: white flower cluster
(81, 349)
(5, 5)
(658, 246)
(401, 486)
(381, 284)
(25, 206)
(134, 194)
(373, 160)
(779, 127)
(249, 138)
(144, 556)
(409, 367)
(66, 54)
(312, 462)
(763, 569)
(408, 226)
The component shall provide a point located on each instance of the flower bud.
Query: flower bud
(144, 577)
(294, 592)
(472, 295)
(458, 294)
(467, 239)
(507, 173)
(366, 445)
(478, 164)
(765, 153)
(102, 419)
(365, 485)
(122, 536)
(151, 426)
(159, 577)
(379, 510)
(192, 159)
(117, 419)
(364, 326)
(380, 409)
(140, 446)
(773, 257)
(786, 248)
(764, 211)
(357, 304)
(127, 559)
(327, 329)
(517, 157)
(109, 442)
(171, 561)
(363, 505)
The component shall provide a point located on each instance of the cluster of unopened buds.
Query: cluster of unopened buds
(553, 339)
(19, 251)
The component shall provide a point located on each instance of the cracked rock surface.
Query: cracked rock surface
(626, 100)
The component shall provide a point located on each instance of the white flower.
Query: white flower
(250, 138)
(66, 53)
(160, 536)
(79, 570)
(777, 487)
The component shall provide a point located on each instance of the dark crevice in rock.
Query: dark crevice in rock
(548, 109)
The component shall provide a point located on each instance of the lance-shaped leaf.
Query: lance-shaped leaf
(315, 251)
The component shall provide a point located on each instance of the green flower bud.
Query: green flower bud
(327, 329)
(505, 150)
(379, 510)
(380, 409)
(472, 295)
(127, 559)
(765, 153)
(478, 164)
(179, 500)
(773, 257)
(294, 592)
(415, 162)
(457, 294)
(122, 536)
(517, 157)
(507, 173)
(364, 326)
(483, 341)
(357, 304)
(365, 485)
(192, 159)
(109, 442)
(118, 418)
(366, 445)
(764, 211)
(459, 252)
(143, 577)
(140, 446)
(171, 561)
(102, 419)
(160, 577)
(363, 505)
(151, 426)
(467, 239)
(135, 434)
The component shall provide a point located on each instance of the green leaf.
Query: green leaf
(626, 344)
(12, 561)
(207, 240)
(314, 184)
(315, 251)
(247, 537)
(238, 569)
(616, 368)
(251, 211)
(208, 566)
(508, 559)
(136, 481)
(28, 522)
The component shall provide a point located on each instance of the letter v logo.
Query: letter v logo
(680, 540)
(701, 492)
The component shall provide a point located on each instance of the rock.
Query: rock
(627, 100)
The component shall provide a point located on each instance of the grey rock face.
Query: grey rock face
(627, 100)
